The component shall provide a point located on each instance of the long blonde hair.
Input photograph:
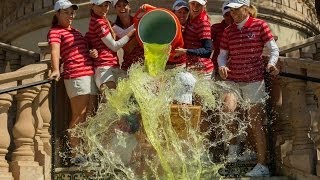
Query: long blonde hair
(253, 11)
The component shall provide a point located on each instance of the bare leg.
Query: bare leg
(79, 105)
(230, 105)
(93, 105)
(256, 115)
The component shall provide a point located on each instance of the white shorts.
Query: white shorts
(250, 92)
(107, 73)
(80, 86)
(209, 75)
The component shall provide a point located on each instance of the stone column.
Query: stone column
(316, 90)
(42, 138)
(283, 126)
(302, 153)
(5, 103)
(24, 165)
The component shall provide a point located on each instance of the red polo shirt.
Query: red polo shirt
(99, 28)
(245, 48)
(196, 30)
(74, 52)
(216, 35)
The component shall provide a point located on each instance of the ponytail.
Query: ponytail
(55, 21)
(111, 29)
(253, 11)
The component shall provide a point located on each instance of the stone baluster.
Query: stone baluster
(5, 103)
(23, 162)
(42, 137)
(302, 153)
(46, 116)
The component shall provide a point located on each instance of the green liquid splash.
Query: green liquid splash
(157, 150)
(156, 57)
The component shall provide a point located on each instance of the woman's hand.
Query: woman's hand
(273, 70)
(93, 53)
(147, 7)
(55, 75)
(131, 33)
(223, 72)
(179, 52)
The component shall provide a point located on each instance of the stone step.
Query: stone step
(259, 178)
(74, 173)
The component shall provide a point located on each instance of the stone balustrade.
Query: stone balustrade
(31, 157)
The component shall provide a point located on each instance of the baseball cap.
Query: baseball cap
(238, 3)
(186, 83)
(225, 8)
(64, 4)
(115, 2)
(99, 2)
(178, 4)
(202, 2)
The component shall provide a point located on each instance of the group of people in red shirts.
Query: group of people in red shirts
(230, 51)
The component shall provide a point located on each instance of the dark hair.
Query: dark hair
(119, 23)
(54, 21)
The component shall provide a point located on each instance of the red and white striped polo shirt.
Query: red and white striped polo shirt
(245, 48)
(196, 30)
(99, 28)
(216, 35)
(74, 52)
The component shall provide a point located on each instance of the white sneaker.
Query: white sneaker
(248, 155)
(258, 170)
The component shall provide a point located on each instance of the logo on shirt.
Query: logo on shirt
(103, 30)
(251, 35)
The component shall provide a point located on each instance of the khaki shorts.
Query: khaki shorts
(107, 73)
(80, 86)
(250, 92)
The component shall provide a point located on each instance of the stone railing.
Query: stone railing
(13, 58)
(30, 158)
(297, 123)
(24, 115)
